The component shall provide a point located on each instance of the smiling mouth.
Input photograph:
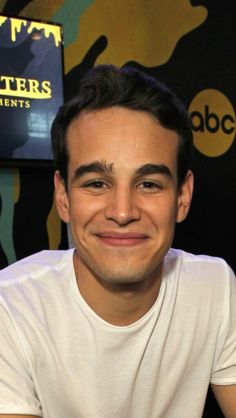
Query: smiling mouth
(122, 239)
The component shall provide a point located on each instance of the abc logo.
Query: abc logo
(213, 122)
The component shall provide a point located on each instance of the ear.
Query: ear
(61, 197)
(185, 194)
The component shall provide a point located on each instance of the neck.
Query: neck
(117, 304)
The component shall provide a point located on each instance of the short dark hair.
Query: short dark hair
(106, 86)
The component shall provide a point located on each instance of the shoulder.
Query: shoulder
(197, 261)
(36, 283)
(201, 269)
(205, 286)
(35, 267)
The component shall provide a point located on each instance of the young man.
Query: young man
(122, 325)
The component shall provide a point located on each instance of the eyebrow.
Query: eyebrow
(101, 167)
(154, 169)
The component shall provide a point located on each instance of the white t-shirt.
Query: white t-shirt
(58, 359)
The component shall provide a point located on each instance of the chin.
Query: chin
(125, 276)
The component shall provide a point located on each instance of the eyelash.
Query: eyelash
(146, 185)
(150, 185)
(96, 184)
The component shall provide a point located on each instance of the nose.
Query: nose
(122, 207)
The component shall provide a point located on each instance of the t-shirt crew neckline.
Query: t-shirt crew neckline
(78, 298)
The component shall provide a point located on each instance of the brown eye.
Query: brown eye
(149, 186)
(95, 185)
(98, 184)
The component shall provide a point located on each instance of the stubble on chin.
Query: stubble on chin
(117, 275)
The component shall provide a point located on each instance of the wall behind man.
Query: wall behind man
(190, 45)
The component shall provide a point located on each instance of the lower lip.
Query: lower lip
(122, 242)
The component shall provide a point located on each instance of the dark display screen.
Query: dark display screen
(31, 88)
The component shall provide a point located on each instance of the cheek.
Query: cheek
(83, 209)
(163, 211)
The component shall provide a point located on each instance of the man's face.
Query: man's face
(122, 198)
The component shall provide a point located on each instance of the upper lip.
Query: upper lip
(122, 235)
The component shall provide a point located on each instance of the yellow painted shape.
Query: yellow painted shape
(16, 25)
(48, 29)
(2, 4)
(2, 20)
(16, 184)
(145, 31)
(43, 10)
(220, 116)
(54, 228)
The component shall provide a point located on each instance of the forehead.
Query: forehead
(122, 137)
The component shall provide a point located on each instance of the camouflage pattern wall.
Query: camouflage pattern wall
(189, 45)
